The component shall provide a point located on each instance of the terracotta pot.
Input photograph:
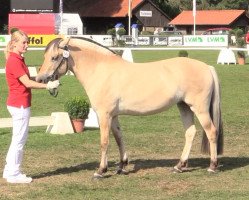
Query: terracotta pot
(241, 61)
(78, 125)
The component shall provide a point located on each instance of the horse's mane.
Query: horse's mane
(56, 42)
(91, 41)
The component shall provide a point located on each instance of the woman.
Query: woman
(18, 104)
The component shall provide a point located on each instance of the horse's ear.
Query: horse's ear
(64, 42)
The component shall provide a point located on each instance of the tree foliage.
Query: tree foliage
(173, 7)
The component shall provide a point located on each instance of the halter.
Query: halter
(64, 57)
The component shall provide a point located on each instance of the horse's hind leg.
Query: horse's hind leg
(118, 137)
(210, 130)
(187, 117)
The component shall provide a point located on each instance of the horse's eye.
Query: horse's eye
(54, 58)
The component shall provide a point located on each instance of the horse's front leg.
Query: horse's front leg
(119, 140)
(104, 123)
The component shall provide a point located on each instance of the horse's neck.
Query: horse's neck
(86, 65)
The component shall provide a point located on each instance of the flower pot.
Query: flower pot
(78, 125)
(241, 61)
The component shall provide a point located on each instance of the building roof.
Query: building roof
(207, 17)
(100, 8)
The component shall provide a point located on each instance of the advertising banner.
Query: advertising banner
(34, 40)
(157, 41)
(175, 40)
(206, 40)
(143, 40)
(40, 40)
(4, 39)
(32, 6)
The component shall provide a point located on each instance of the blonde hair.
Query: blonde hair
(15, 37)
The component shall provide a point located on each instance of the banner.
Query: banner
(40, 40)
(206, 40)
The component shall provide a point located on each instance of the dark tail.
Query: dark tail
(215, 113)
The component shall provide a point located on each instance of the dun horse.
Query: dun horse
(117, 87)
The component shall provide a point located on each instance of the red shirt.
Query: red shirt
(19, 95)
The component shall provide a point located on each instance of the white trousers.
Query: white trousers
(20, 118)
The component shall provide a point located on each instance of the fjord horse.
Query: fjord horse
(117, 87)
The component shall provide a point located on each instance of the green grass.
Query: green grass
(62, 166)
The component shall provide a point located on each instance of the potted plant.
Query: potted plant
(241, 57)
(112, 32)
(183, 53)
(78, 110)
(120, 33)
(240, 42)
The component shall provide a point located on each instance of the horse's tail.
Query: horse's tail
(215, 113)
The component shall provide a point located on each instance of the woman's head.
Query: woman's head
(17, 44)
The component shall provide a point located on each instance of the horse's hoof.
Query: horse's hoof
(176, 170)
(212, 171)
(97, 176)
(121, 171)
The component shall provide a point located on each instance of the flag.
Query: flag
(194, 7)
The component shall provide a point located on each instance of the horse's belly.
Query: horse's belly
(143, 106)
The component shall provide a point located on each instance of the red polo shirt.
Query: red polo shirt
(19, 95)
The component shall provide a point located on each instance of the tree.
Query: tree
(234, 4)
(173, 7)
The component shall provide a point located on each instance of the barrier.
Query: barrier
(61, 124)
(32, 71)
(226, 56)
(57, 123)
(127, 55)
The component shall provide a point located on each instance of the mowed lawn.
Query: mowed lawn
(62, 166)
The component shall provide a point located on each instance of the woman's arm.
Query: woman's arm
(35, 85)
(30, 83)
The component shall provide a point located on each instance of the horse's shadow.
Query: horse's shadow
(226, 164)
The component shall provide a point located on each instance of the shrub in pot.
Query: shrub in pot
(240, 43)
(183, 53)
(78, 109)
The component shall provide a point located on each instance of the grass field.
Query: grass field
(62, 166)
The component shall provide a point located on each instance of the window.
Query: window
(72, 31)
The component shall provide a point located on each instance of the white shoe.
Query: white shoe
(20, 178)
(5, 175)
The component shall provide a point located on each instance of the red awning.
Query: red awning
(33, 23)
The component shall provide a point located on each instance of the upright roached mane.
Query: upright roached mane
(115, 86)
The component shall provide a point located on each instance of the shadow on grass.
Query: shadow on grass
(68, 170)
(226, 164)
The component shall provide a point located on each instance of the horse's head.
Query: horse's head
(55, 62)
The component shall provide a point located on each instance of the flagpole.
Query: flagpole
(61, 15)
(129, 18)
(194, 13)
